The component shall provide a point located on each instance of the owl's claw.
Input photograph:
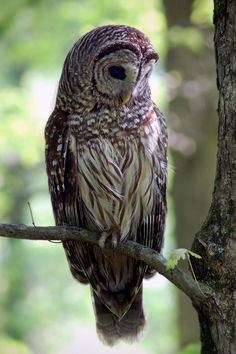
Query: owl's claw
(103, 238)
(114, 239)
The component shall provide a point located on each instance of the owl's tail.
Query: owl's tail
(111, 328)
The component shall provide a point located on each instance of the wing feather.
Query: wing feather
(62, 171)
(151, 231)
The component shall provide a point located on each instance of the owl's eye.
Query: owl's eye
(118, 72)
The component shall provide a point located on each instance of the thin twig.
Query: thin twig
(31, 214)
(33, 223)
(193, 274)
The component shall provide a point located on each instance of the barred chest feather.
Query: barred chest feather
(121, 166)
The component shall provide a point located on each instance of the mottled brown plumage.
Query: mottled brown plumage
(107, 166)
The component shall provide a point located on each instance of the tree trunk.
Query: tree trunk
(216, 241)
(192, 135)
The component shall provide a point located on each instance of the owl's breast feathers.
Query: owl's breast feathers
(109, 174)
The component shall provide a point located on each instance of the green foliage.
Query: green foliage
(160, 305)
(194, 348)
(189, 37)
(14, 271)
(12, 346)
(202, 12)
(19, 130)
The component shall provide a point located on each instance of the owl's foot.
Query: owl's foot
(113, 235)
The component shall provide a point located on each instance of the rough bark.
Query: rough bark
(216, 241)
(192, 124)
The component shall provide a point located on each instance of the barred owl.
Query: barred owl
(107, 168)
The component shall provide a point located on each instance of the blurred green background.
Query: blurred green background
(42, 309)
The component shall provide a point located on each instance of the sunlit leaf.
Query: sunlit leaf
(177, 255)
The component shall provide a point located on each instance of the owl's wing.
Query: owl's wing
(62, 172)
(151, 231)
(61, 165)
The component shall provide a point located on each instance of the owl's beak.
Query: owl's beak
(126, 96)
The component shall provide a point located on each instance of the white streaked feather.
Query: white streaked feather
(106, 178)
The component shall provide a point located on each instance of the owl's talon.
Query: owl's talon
(102, 240)
(104, 236)
(114, 243)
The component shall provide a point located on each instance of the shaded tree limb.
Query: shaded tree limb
(155, 260)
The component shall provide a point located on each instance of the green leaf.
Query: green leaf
(193, 254)
(174, 258)
(177, 254)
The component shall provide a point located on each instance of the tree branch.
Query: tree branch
(155, 260)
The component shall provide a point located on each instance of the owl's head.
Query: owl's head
(108, 65)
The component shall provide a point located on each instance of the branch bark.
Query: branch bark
(197, 292)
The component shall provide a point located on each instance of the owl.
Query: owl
(106, 163)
